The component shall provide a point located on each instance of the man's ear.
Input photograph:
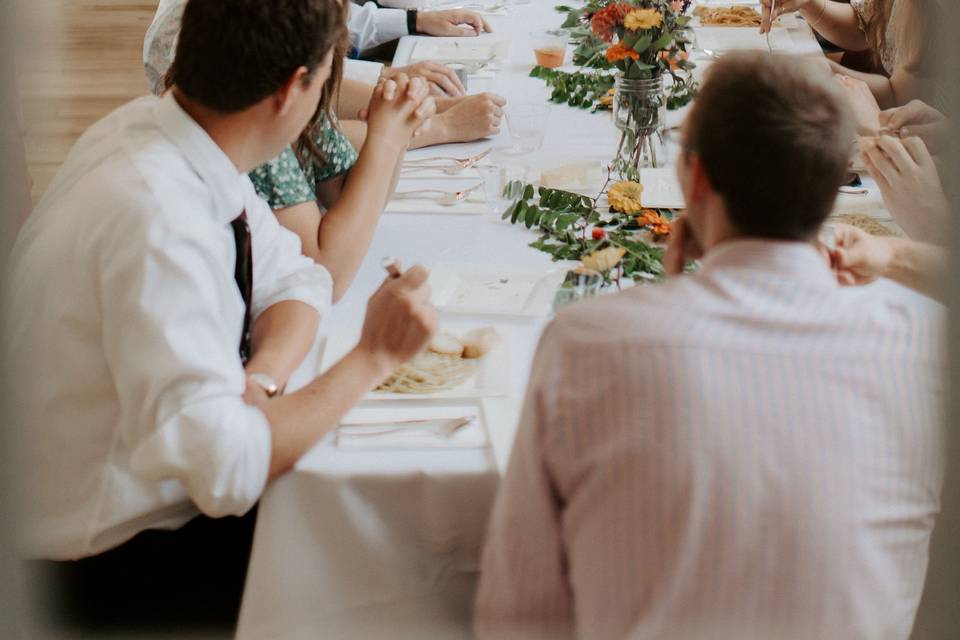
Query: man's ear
(699, 181)
(287, 95)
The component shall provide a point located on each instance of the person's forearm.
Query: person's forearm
(439, 132)
(837, 22)
(352, 97)
(281, 338)
(919, 266)
(880, 86)
(347, 228)
(299, 420)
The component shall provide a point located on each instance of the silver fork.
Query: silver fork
(441, 427)
(446, 198)
(459, 163)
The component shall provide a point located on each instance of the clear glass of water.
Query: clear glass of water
(500, 180)
(528, 126)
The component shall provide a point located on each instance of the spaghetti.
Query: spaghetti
(734, 16)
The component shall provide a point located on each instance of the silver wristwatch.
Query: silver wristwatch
(265, 382)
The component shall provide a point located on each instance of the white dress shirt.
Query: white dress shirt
(124, 322)
(369, 26)
(747, 452)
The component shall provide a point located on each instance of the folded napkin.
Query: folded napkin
(471, 436)
(475, 204)
(661, 189)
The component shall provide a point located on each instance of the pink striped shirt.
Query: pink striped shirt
(748, 452)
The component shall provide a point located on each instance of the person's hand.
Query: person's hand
(398, 109)
(858, 257)
(442, 80)
(452, 22)
(864, 104)
(472, 118)
(918, 119)
(683, 246)
(910, 185)
(768, 13)
(400, 320)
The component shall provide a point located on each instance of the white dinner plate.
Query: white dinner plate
(465, 50)
(492, 379)
(727, 39)
(495, 289)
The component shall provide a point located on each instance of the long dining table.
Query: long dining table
(384, 541)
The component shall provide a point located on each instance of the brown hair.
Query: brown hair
(306, 148)
(774, 134)
(322, 25)
(913, 37)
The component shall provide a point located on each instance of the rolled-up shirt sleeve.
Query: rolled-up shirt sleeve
(280, 271)
(370, 25)
(171, 325)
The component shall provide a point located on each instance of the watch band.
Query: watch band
(412, 22)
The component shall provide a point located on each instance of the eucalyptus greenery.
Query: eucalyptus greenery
(565, 219)
(576, 89)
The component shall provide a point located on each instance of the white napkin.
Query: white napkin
(661, 189)
(475, 204)
(472, 436)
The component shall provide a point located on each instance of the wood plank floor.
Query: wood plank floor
(87, 61)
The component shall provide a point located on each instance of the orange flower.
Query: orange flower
(658, 224)
(620, 51)
(674, 61)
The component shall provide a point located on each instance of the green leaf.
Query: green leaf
(643, 43)
(663, 42)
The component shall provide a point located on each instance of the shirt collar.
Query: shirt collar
(799, 261)
(208, 160)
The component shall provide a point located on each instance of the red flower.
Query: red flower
(607, 19)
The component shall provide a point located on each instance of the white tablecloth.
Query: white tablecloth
(385, 544)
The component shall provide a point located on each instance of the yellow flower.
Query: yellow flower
(625, 197)
(604, 260)
(643, 19)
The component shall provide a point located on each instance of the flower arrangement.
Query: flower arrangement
(624, 242)
(642, 38)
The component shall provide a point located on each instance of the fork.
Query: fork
(459, 163)
(441, 427)
(773, 7)
(447, 198)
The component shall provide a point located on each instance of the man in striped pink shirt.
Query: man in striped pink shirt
(746, 452)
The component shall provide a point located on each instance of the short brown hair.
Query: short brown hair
(774, 134)
(231, 55)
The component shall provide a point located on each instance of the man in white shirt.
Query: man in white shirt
(150, 362)
(369, 26)
(747, 452)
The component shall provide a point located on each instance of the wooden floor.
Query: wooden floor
(87, 61)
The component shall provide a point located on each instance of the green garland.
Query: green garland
(565, 221)
(576, 89)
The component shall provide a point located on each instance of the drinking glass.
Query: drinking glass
(550, 47)
(528, 126)
(580, 283)
(500, 180)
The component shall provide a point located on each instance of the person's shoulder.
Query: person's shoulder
(900, 321)
(643, 314)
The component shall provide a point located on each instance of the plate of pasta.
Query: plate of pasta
(470, 365)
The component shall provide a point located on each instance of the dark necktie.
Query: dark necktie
(243, 273)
